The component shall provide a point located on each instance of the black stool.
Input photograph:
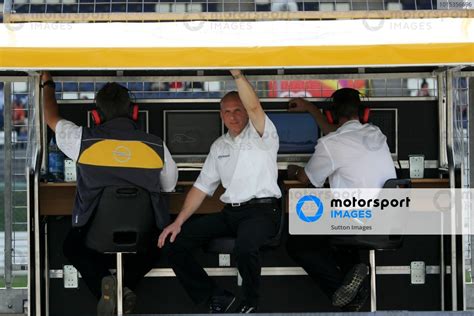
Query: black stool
(374, 243)
(225, 245)
(123, 222)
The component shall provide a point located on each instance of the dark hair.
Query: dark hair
(346, 102)
(113, 100)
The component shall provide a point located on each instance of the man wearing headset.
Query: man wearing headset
(116, 114)
(351, 155)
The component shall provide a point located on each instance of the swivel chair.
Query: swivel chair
(374, 243)
(225, 245)
(123, 222)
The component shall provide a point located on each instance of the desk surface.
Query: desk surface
(58, 198)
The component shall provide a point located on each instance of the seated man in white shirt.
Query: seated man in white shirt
(98, 170)
(353, 156)
(245, 161)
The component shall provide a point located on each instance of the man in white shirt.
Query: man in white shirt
(153, 169)
(244, 161)
(353, 156)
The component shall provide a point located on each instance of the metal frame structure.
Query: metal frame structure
(470, 76)
(8, 188)
(38, 271)
(12, 298)
(11, 17)
(450, 269)
(463, 97)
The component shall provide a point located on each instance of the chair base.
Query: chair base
(119, 284)
(373, 281)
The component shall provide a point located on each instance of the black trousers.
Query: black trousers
(325, 264)
(252, 225)
(93, 265)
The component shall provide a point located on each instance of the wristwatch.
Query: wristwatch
(49, 83)
(238, 76)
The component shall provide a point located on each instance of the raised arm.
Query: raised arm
(250, 101)
(302, 105)
(50, 106)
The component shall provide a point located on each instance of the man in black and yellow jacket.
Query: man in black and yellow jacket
(115, 152)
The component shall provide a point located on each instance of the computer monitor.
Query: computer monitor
(298, 134)
(387, 120)
(189, 134)
(142, 122)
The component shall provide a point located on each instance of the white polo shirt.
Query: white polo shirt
(68, 139)
(246, 165)
(354, 156)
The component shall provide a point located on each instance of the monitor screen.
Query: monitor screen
(191, 132)
(298, 132)
(386, 120)
(142, 121)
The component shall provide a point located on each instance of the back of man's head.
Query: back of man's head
(113, 100)
(346, 102)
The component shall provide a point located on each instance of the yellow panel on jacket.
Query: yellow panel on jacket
(121, 153)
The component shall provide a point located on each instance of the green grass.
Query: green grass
(468, 277)
(18, 281)
(19, 215)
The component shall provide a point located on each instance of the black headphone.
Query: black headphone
(99, 117)
(338, 97)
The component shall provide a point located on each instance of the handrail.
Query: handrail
(7, 89)
(34, 169)
(452, 180)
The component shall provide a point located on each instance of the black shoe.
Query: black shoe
(245, 308)
(221, 303)
(129, 300)
(350, 286)
(358, 302)
(108, 300)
